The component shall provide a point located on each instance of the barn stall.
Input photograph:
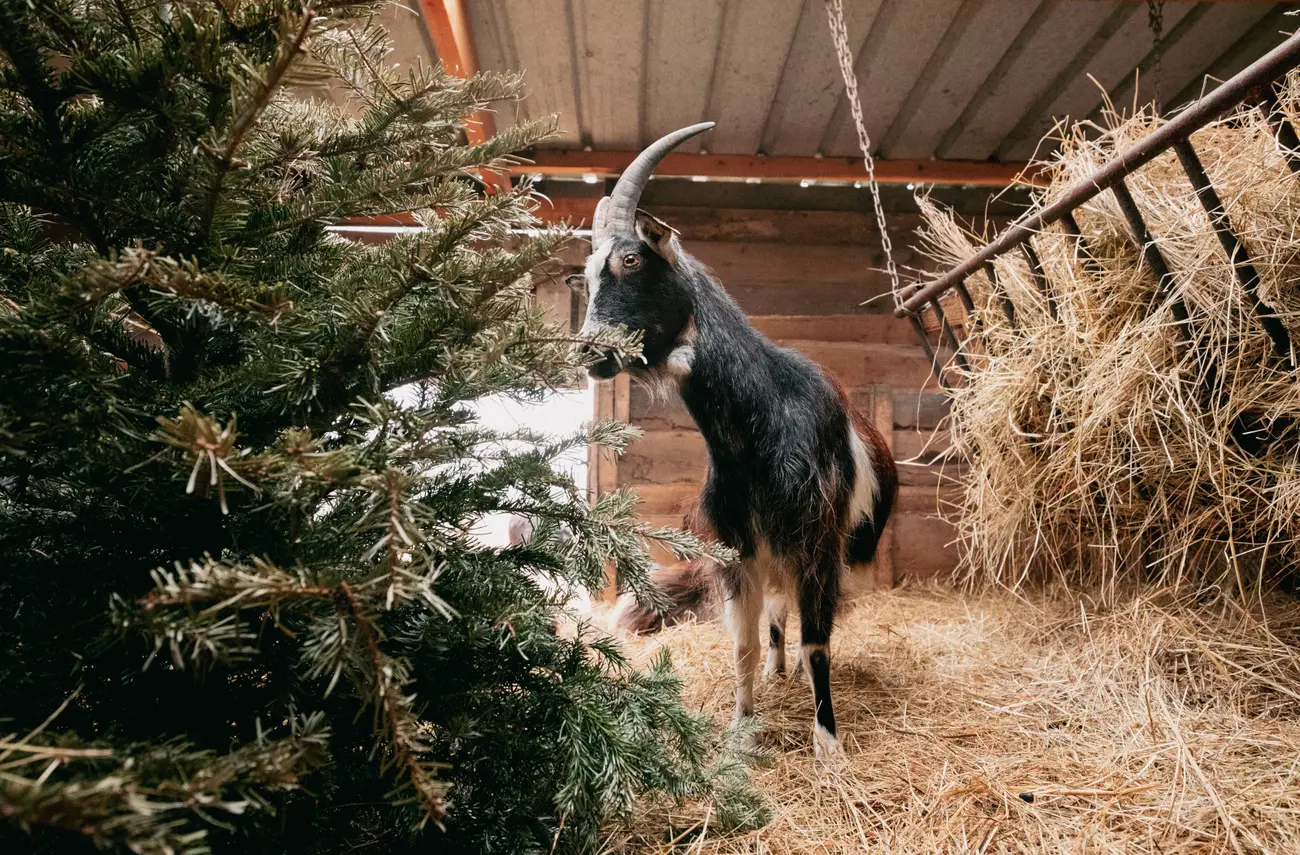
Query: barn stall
(1150, 705)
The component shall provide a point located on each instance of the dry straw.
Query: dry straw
(995, 723)
(1102, 445)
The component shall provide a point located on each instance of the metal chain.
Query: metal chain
(1156, 22)
(840, 35)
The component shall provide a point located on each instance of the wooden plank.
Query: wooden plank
(925, 546)
(554, 297)
(882, 415)
(665, 457)
(684, 40)
(913, 409)
(622, 391)
(924, 410)
(975, 41)
(811, 86)
(773, 279)
(876, 329)
(756, 39)
(666, 500)
(781, 167)
(931, 475)
(784, 226)
(609, 401)
(858, 365)
(611, 45)
(920, 446)
(602, 472)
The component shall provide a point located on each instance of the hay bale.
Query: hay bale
(1104, 447)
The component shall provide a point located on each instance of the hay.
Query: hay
(1001, 723)
(1102, 447)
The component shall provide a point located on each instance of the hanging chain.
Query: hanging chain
(840, 35)
(1156, 22)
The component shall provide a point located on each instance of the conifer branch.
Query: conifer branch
(286, 55)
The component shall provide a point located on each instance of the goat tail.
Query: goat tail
(689, 586)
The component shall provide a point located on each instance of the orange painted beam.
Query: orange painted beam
(453, 38)
(785, 168)
(576, 211)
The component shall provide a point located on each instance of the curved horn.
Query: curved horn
(616, 213)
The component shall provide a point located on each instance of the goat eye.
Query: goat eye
(631, 261)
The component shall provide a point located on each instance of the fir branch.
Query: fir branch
(404, 744)
(268, 83)
(152, 800)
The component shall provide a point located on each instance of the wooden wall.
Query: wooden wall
(802, 277)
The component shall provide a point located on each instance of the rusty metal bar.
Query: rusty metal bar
(1283, 131)
(1151, 253)
(1222, 100)
(966, 300)
(1040, 278)
(1238, 257)
(953, 341)
(1008, 307)
(1071, 227)
(929, 350)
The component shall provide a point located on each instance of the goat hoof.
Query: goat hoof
(773, 671)
(826, 745)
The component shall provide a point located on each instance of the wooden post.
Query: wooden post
(611, 400)
(882, 415)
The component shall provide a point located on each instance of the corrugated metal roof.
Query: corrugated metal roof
(958, 79)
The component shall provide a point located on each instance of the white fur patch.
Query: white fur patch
(866, 486)
(826, 745)
(595, 264)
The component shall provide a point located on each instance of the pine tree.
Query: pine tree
(241, 610)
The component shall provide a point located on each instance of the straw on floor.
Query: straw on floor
(1004, 723)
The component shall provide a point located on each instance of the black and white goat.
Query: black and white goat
(798, 482)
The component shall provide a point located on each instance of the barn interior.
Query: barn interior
(996, 722)
(958, 96)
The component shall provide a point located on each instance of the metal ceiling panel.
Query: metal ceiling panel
(977, 38)
(611, 45)
(812, 85)
(898, 49)
(1213, 30)
(756, 39)
(540, 33)
(953, 79)
(682, 42)
(1059, 29)
(1268, 33)
(1077, 86)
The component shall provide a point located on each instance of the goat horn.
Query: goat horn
(616, 213)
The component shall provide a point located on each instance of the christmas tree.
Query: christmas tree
(242, 610)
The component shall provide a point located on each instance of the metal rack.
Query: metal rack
(1255, 85)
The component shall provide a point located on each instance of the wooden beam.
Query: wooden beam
(453, 38)
(882, 416)
(610, 401)
(784, 168)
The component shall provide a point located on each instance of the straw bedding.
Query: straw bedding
(1006, 723)
(1105, 447)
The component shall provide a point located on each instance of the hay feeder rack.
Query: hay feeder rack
(1253, 85)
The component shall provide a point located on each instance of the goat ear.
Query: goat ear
(660, 236)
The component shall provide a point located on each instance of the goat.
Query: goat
(798, 482)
